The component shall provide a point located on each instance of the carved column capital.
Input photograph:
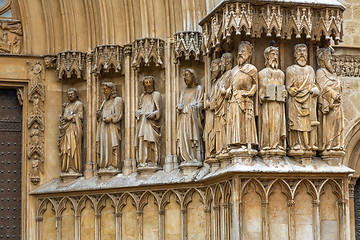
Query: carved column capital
(127, 50)
(70, 63)
(352, 183)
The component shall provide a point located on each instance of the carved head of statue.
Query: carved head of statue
(324, 58)
(215, 68)
(271, 55)
(301, 54)
(227, 61)
(149, 84)
(190, 77)
(109, 90)
(245, 52)
(72, 94)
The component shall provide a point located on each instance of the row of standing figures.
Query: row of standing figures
(298, 112)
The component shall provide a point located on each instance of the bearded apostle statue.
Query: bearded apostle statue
(331, 116)
(71, 132)
(272, 95)
(209, 129)
(301, 105)
(148, 129)
(190, 116)
(242, 108)
(108, 135)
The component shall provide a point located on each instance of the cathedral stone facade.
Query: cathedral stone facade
(179, 119)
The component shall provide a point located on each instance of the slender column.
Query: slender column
(184, 224)
(58, 227)
(207, 222)
(162, 224)
(351, 207)
(291, 204)
(95, 106)
(236, 210)
(265, 211)
(225, 221)
(134, 106)
(316, 205)
(39, 222)
(118, 217)
(90, 131)
(175, 95)
(127, 168)
(97, 226)
(140, 224)
(77, 226)
(342, 220)
(216, 210)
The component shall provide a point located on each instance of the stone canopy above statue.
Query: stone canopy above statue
(318, 20)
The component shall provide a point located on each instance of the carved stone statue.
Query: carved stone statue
(71, 131)
(148, 130)
(241, 128)
(331, 116)
(301, 105)
(190, 117)
(107, 135)
(220, 103)
(209, 129)
(272, 95)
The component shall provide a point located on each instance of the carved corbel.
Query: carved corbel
(147, 50)
(70, 63)
(36, 120)
(187, 44)
(107, 57)
(50, 61)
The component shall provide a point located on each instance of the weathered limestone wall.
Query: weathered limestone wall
(351, 22)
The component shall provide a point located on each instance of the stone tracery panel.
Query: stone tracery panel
(147, 50)
(187, 44)
(70, 64)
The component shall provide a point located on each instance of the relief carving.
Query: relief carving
(331, 116)
(10, 36)
(147, 50)
(346, 66)
(187, 43)
(301, 105)
(272, 95)
(70, 64)
(241, 127)
(148, 128)
(190, 116)
(107, 57)
(108, 136)
(35, 122)
(70, 134)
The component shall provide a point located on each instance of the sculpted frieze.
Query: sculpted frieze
(36, 120)
(11, 35)
(107, 57)
(187, 43)
(346, 66)
(70, 64)
(147, 50)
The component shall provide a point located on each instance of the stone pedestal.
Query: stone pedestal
(69, 177)
(273, 156)
(332, 158)
(128, 167)
(107, 173)
(242, 155)
(224, 159)
(188, 168)
(214, 164)
(171, 163)
(147, 171)
(302, 156)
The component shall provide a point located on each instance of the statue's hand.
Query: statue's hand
(98, 114)
(107, 119)
(137, 114)
(150, 115)
(284, 93)
(180, 108)
(315, 91)
(292, 91)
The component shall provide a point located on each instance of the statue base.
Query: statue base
(171, 163)
(272, 156)
(147, 171)
(214, 164)
(224, 159)
(188, 168)
(332, 157)
(302, 156)
(107, 173)
(128, 167)
(242, 155)
(69, 177)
